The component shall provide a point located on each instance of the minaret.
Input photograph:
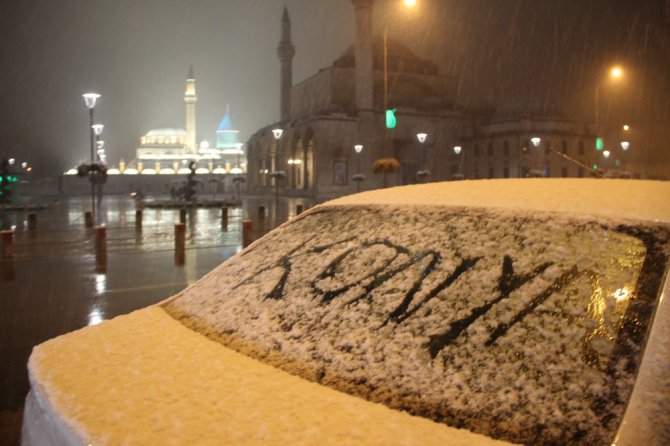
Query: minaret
(190, 98)
(363, 54)
(285, 51)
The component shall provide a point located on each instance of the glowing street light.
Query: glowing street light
(536, 141)
(276, 174)
(90, 100)
(457, 150)
(625, 145)
(421, 137)
(358, 148)
(390, 113)
(606, 153)
(615, 73)
(625, 127)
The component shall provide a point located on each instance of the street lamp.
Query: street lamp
(421, 137)
(358, 148)
(408, 4)
(90, 99)
(276, 174)
(615, 73)
(625, 145)
(535, 141)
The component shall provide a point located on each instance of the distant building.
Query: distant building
(343, 105)
(171, 150)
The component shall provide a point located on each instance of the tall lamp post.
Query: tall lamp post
(390, 120)
(276, 174)
(614, 73)
(423, 172)
(358, 148)
(535, 141)
(457, 152)
(90, 99)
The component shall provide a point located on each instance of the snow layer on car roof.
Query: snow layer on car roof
(512, 324)
(145, 379)
(629, 199)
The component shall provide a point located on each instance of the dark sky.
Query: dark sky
(136, 53)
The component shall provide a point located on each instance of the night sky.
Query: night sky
(521, 55)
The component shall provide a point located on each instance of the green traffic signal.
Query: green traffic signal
(390, 118)
(599, 143)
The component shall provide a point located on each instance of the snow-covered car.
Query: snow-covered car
(476, 312)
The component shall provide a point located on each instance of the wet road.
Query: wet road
(56, 283)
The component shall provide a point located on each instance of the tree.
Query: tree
(385, 165)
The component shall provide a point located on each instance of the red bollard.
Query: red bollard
(101, 249)
(179, 244)
(224, 218)
(247, 236)
(138, 219)
(7, 244)
(32, 222)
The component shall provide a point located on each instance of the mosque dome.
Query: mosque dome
(167, 131)
(226, 135)
(400, 58)
(164, 137)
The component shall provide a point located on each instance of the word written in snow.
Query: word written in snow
(428, 261)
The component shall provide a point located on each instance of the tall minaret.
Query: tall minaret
(190, 98)
(285, 51)
(363, 54)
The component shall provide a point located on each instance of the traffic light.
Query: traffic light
(390, 118)
(6, 181)
(599, 143)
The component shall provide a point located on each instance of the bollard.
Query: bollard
(247, 237)
(298, 209)
(7, 244)
(101, 238)
(182, 215)
(32, 222)
(101, 249)
(138, 219)
(179, 241)
(224, 217)
(88, 219)
(8, 267)
(261, 212)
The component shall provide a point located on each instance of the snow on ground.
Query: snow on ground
(514, 325)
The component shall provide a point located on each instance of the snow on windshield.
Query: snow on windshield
(522, 327)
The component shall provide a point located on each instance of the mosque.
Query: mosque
(334, 136)
(169, 151)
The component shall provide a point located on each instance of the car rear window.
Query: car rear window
(523, 327)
